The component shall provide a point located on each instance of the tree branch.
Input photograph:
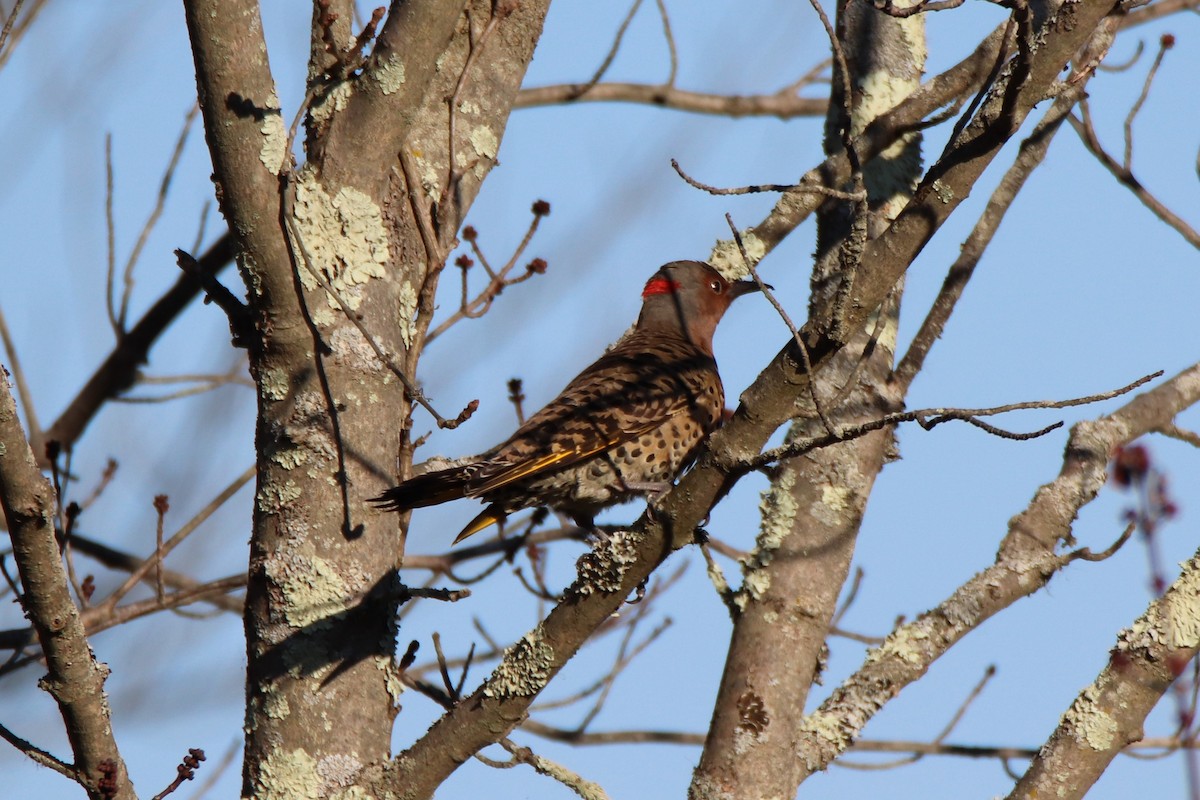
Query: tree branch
(1029, 157)
(784, 105)
(1026, 561)
(75, 679)
(119, 370)
(1108, 715)
(243, 125)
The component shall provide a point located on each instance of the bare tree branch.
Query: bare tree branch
(1125, 176)
(1108, 715)
(1026, 561)
(1029, 157)
(75, 679)
(119, 370)
(784, 105)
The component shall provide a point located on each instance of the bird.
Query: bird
(627, 425)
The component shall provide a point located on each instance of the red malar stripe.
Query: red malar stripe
(660, 285)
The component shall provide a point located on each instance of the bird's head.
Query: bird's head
(689, 297)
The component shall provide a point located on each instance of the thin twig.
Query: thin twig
(203, 383)
(1030, 156)
(1086, 554)
(670, 37)
(925, 6)
(543, 766)
(241, 324)
(1087, 134)
(160, 507)
(1175, 432)
(917, 755)
(184, 771)
(818, 406)
(444, 669)
(30, 750)
(110, 227)
(851, 596)
(8, 23)
(498, 280)
(164, 188)
(116, 559)
(120, 368)
(1128, 63)
(500, 10)
(928, 418)
(612, 52)
(767, 187)
(1165, 44)
(36, 441)
(139, 574)
(783, 104)
(843, 71)
(98, 619)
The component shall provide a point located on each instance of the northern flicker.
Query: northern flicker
(626, 425)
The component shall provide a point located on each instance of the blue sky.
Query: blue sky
(1082, 291)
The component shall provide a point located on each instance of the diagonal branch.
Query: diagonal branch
(119, 370)
(75, 679)
(794, 207)
(1032, 153)
(1026, 562)
(1109, 714)
(1125, 176)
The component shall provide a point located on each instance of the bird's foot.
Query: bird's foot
(654, 490)
(591, 531)
(599, 534)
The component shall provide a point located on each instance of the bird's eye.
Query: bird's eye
(716, 286)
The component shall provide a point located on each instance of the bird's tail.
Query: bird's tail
(428, 489)
(491, 515)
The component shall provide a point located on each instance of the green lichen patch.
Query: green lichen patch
(603, 568)
(274, 144)
(312, 588)
(352, 793)
(1173, 621)
(274, 384)
(288, 775)
(350, 347)
(338, 770)
(389, 74)
(525, 669)
(828, 731)
(727, 258)
(330, 102)
(908, 643)
(779, 510)
(1089, 723)
(273, 496)
(342, 236)
(484, 142)
(406, 312)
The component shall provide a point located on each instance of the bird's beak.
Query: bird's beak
(739, 288)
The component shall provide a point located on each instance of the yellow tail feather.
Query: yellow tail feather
(489, 516)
